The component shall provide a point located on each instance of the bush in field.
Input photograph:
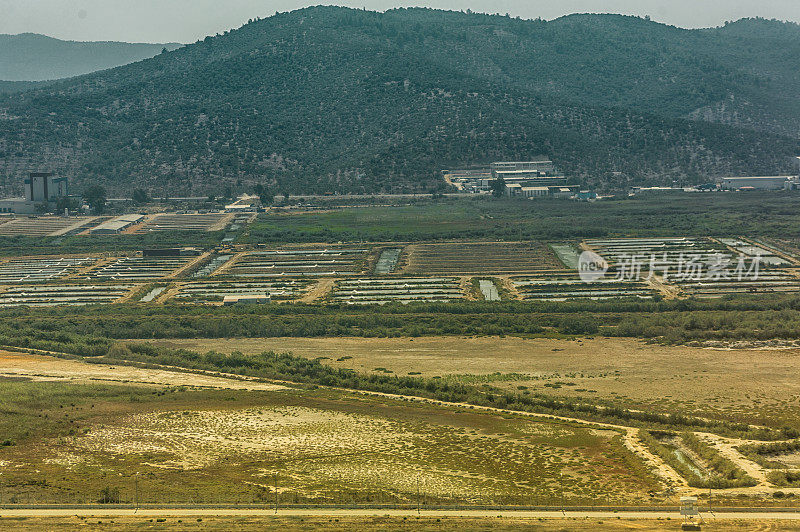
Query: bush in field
(784, 479)
(119, 350)
(722, 473)
(109, 496)
(578, 325)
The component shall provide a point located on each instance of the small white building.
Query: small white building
(534, 192)
(562, 192)
(17, 206)
(117, 225)
(239, 299)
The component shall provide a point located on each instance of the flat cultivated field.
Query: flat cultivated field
(489, 258)
(757, 385)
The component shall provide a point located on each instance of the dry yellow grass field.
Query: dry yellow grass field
(759, 385)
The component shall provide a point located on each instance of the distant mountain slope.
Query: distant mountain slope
(335, 99)
(34, 57)
(10, 87)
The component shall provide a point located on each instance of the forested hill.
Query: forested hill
(335, 99)
(34, 57)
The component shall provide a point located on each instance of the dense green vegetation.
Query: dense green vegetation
(334, 99)
(701, 214)
(788, 479)
(674, 321)
(723, 471)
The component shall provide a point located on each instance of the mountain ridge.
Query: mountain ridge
(37, 57)
(341, 100)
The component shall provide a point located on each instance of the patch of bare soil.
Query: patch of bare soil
(44, 368)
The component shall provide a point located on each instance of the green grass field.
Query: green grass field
(700, 214)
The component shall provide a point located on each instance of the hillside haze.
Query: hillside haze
(334, 99)
(34, 57)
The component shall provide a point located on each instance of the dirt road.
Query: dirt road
(758, 515)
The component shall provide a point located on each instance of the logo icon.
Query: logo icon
(591, 266)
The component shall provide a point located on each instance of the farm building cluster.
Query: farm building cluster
(520, 178)
(540, 178)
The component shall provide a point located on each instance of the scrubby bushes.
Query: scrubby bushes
(716, 471)
(762, 453)
(652, 440)
(784, 479)
(724, 472)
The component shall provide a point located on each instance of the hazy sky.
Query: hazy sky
(189, 20)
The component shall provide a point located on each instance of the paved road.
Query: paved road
(300, 512)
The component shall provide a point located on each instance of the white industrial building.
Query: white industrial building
(527, 173)
(117, 225)
(44, 187)
(527, 178)
(661, 190)
(40, 188)
(17, 206)
(543, 167)
(517, 190)
(758, 183)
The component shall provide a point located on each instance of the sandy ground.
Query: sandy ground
(318, 290)
(198, 439)
(44, 368)
(201, 436)
(732, 383)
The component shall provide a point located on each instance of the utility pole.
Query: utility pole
(419, 502)
(276, 493)
(709, 499)
(136, 490)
